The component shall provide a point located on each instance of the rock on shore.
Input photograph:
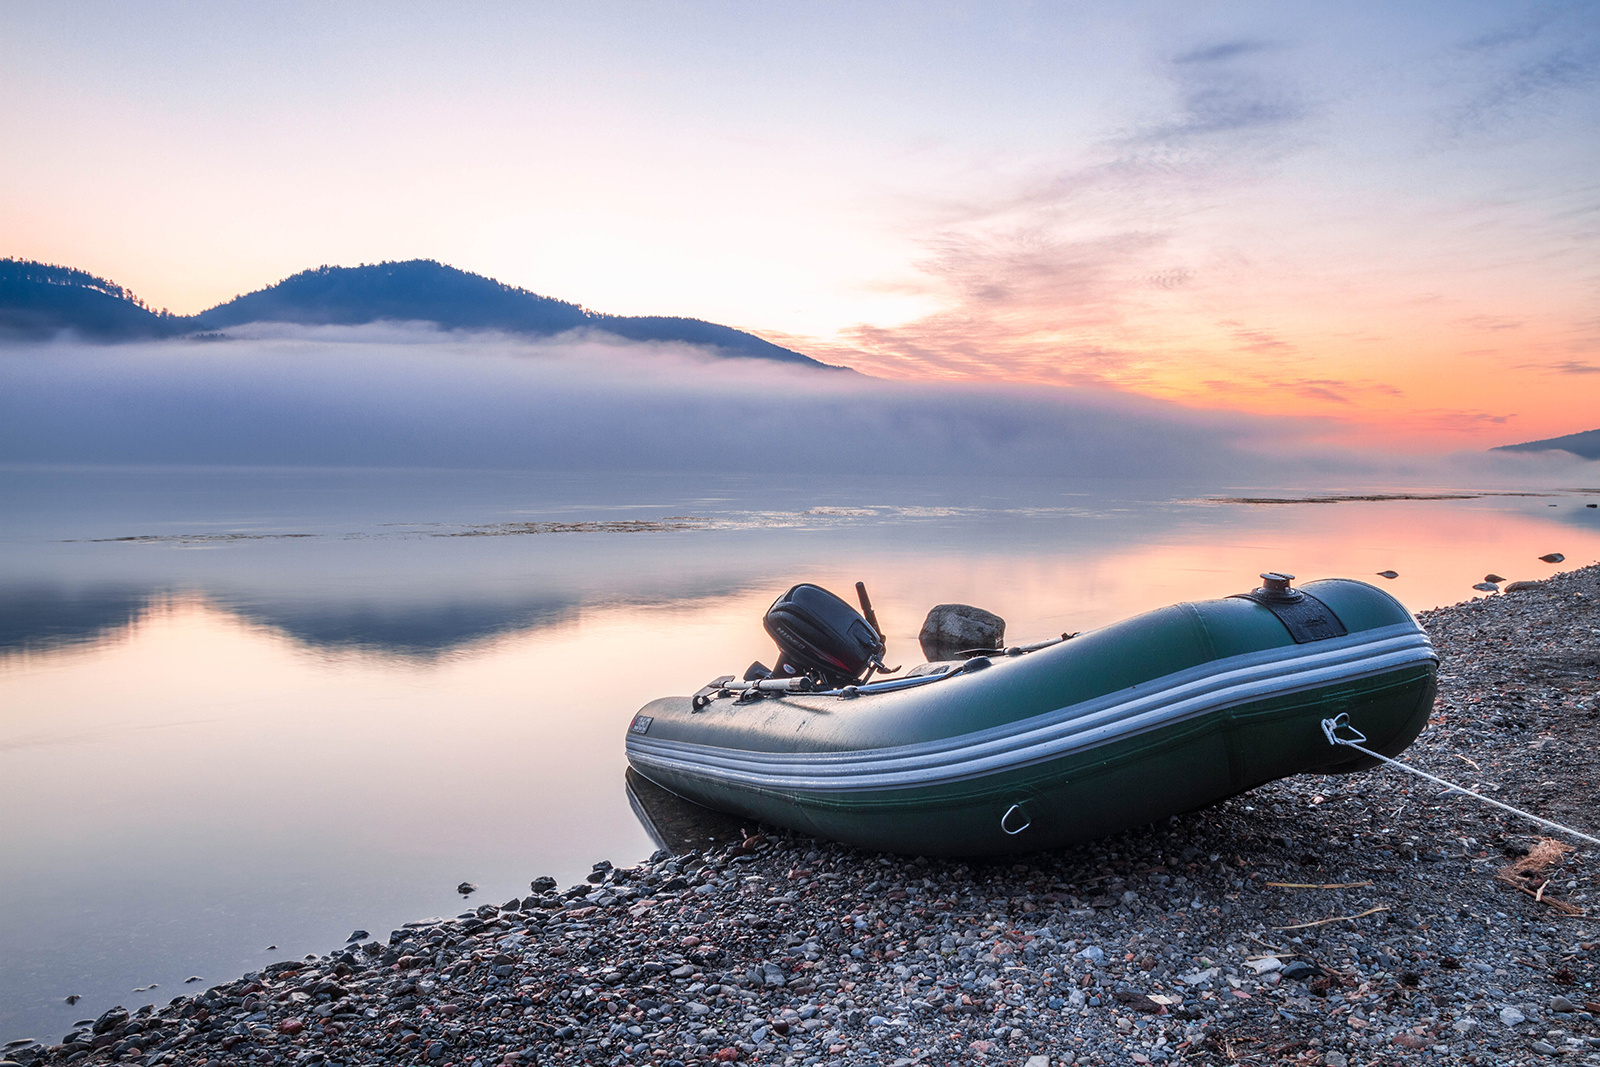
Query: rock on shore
(1364, 919)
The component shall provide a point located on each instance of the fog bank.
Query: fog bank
(394, 395)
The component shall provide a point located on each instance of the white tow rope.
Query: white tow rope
(1331, 728)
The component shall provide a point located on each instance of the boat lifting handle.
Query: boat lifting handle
(1014, 815)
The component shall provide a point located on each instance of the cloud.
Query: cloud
(1220, 94)
(1262, 385)
(1051, 275)
(1488, 323)
(404, 397)
(1258, 340)
(1216, 53)
(1322, 392)
(1226, 104)
(1448, 419)
(1527, 69)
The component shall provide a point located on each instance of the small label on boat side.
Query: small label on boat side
(641, 724)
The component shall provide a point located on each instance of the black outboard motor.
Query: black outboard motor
(820, 634)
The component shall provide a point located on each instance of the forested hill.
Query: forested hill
(1585, 444)
(38, 301)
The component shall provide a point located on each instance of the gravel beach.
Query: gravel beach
(1365, 919)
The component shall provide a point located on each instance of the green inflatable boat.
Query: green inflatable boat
(1020, 749)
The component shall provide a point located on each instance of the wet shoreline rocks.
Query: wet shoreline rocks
(1336, 921)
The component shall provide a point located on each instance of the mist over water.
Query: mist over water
(400, 395)
(245, 702)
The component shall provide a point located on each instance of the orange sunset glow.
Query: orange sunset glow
(1379, 219)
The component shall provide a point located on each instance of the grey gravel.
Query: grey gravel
(1195, 941)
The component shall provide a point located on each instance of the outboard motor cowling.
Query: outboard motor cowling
(821, 634)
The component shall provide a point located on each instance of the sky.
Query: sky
(1383, 218)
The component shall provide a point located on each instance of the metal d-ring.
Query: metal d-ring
(1005, 820)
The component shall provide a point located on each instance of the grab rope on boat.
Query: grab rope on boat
(1331, 728)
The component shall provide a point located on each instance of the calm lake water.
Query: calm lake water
(242, 709)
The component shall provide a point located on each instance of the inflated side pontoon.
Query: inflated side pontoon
(1032, 748)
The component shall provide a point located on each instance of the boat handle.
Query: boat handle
(1005, 820)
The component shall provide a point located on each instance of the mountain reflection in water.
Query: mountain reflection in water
(245, 709)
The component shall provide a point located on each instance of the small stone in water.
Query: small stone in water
(465, 888)
(357, 935)
(74, 998)
(193, 978)
(1553, 557)
(1388, 574)
(1487, 587)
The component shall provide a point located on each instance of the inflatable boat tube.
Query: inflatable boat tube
(1160, 714)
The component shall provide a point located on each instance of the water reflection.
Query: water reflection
(39, 615)
(678, 825)
(211, 747)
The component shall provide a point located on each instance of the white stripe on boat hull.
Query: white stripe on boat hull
(1176, 698)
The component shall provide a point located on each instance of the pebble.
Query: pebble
(1487, 587)
(1553, 557)
(1388, 574)
(1152, 947)
(1492, 577)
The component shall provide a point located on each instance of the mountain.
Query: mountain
(38, 300)
(1585, 444)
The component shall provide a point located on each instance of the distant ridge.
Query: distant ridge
(1585, 444)
(38, 300)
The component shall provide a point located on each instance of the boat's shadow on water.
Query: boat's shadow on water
(680, 825)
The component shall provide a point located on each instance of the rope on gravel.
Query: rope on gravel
(1331, 728)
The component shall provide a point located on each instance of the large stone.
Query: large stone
(112, 1019)
(954, 628)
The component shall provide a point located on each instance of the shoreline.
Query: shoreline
(1318, 920)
